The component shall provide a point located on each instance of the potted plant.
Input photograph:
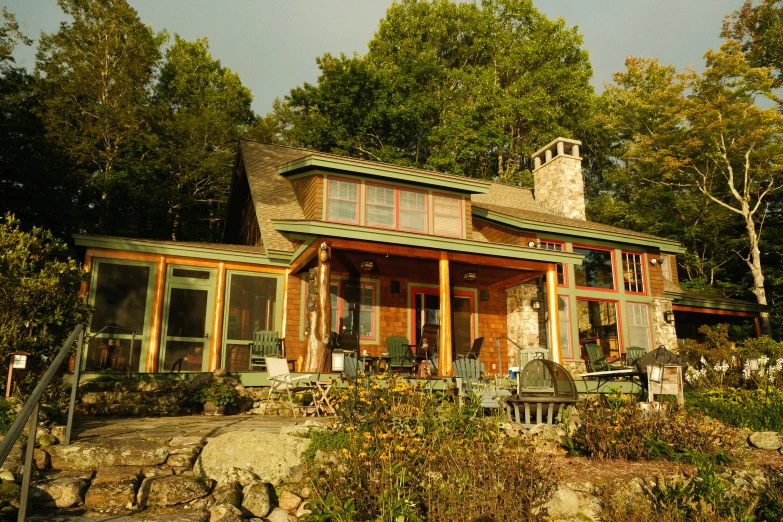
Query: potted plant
(215, 396)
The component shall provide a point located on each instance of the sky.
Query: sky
(273, 44)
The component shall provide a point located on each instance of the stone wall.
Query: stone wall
(664, 333)
(526, 327)
(559, 186)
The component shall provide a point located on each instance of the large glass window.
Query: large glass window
(557, 247)
(413, 210)
(597, 324)
(251, 306)
(639, 325)
(122, 300)
(565, 327)
(343, 202)
(633, 272)
(595, 270)
(447, 216)
(353, 308)
(380, 206)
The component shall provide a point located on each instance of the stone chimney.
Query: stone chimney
(557, 178)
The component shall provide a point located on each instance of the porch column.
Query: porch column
(553, 325)
(444, 336)
(217, 324)
(156, 323)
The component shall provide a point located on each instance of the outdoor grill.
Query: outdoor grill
(660, 356)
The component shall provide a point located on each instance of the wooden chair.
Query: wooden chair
(351, 365)
(475, 349)
(280, 381)
(401, 357)
(265, 343)
(470, 371)
(633, 354)
(598, 361)
(428, 343)
(526, 355)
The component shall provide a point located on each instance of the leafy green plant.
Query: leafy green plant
(218, 393)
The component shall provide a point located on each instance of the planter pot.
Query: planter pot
(211, 409)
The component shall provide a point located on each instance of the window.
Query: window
(413, 210)
(667, 265)
(633, 272)
(565, 327)
(251, 305)
(380, 206)
(343, 201)
(448, 216)
(558, 247)
(595, 270)
(639, 325)
(353, 308)
(597, 323)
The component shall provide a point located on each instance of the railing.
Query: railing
(29, 414)
(497, 342)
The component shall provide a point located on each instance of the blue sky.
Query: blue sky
(273, 44)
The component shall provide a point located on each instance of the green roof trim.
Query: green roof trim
(384, 171)
(172, 249)
(395, 237)
(707, 302)
(665, 245)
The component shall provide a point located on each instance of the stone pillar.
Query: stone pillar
(664, 333)
(558, 182)
(525, 326)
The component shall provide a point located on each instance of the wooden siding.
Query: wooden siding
(468, 219)
(310, 193)
(655, 274)
(498, 233)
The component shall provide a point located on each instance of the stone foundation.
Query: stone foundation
(664, 333)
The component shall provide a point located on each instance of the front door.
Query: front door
(426, 309)
(188, 313)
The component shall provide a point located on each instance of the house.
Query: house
(408, 247)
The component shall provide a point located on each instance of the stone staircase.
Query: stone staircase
(133, 398)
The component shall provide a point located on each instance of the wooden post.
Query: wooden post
(156, 322)
(757, 326)
(553, 324)
(444, 339)
(217, 323)
(319, 311)
(84, 288)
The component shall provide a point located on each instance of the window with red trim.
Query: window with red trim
(596, 270)
(413, 210)
(557, 247)
(633, 272)
(380, 210)
(343, 201)
(353, 308)
(447, 214)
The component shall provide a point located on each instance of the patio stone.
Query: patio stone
(766, 440)
(103, 453)
(60, 492)
(173, 490)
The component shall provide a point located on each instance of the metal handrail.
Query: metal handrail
(29, 414)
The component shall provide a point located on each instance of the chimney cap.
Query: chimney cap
(552, 145)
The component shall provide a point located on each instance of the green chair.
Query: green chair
(265, 343)
(470, 371)
(633, 354)
(401, 356)
(598, 361)
(351, 365)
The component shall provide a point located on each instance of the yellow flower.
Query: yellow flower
(362, 454)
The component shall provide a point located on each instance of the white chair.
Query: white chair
(280, 380)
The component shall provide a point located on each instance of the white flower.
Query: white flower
(746, 373)
(721, 367)
(703, 360)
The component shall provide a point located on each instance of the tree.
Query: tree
(10, 36)
(705, 134)
(462, 88)
(39, 301)
(201, 110)
(94, 74)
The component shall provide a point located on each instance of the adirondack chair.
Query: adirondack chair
(475, 349)
(526, 355)
(351, 365)
(400, 354)
(633, 353)
(470, 371)
(265, 343)
(598, 361)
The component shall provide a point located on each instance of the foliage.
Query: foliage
(402, 453)
(216, 392)
(757, 28)
(39, 301)
(7, 415)
(613, 426)
(459, 87)
(757, 410)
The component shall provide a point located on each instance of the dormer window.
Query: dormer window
(448, 215)
(343, 201)
(380, 206)
(413, 210)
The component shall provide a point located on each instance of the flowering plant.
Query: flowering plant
(219, 394)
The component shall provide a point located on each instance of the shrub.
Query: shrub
(758, 410)
(218, 393)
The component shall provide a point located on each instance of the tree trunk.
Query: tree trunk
(319, 311)
(754, 262)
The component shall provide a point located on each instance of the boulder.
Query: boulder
(281, 515)
(113, 488)
(41, 459)
(766, 440)
(228, 493)
(47, 439)
(173, 490)
(224, 513)
(103, 453)
(564, 504)
(188, 440)
(59, 433)
(242, 477)
(289, 501)
(273, 458)
(60, 492)
(14, 463)
(182, 460)
(258, 498)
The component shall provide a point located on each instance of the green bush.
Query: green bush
(7, 415)
(757, 410)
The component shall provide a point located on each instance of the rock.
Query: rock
(182, 460)
(302, 429)
(280, 515)
(113, 488)
(61, 492)
(157, 472)
(766, 440)
(224, 513)
(46, 440)
(242, 477)
(306, 492)
(220, 372)
(258, 498)
(7, 476)
(103, 453)
(564, 504)
(59, 433)
(228, 493)
(190, 440)
(289, 501)
(173, 490)
(302, 511)
(184, 450)
(41, 459)
(14, 463)
(274, 459)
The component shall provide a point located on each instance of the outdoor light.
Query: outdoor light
(656, 373)
(469, 276)
(753, 364)
(367, 265)
(531, 244)
(536, 304)
(338, 360)
(668, 316)
(655, 261)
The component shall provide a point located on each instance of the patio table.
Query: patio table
(373, 362)
(631, 374)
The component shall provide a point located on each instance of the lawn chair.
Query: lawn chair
(265, 343)
(469, 371)
(598, 361)
(351, 365)
(633, 354)
(280, 380)
(428, 343)
(401, 356)
(475, 349)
